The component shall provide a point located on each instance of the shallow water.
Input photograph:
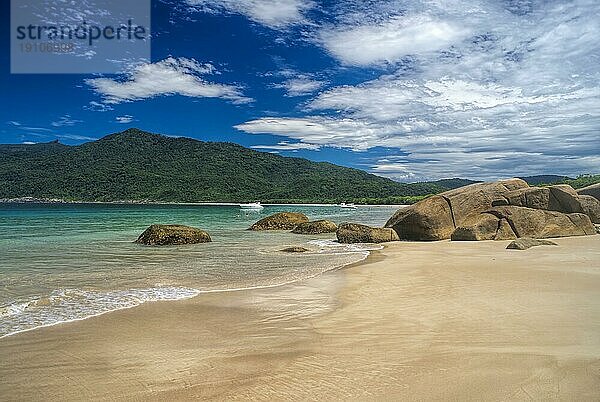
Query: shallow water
(60, 263)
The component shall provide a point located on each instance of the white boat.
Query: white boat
(251, 205)
(348, 206)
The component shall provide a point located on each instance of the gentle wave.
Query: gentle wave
(67, 305)
(339, 248)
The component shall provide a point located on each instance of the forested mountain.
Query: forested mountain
(136, 165)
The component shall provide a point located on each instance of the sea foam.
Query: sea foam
(66, 305)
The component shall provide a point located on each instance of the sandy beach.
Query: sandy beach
(415, 321)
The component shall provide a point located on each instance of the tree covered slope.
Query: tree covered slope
(136, 165)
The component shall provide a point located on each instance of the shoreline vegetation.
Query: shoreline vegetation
(33, 200)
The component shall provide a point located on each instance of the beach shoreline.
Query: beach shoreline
(419, 321)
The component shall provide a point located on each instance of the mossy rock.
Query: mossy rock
(315, 227)
(280, 221)
(166, 235)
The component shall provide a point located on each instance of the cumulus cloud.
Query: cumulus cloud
(517, 95)
(389, 41)
(275, 14)
(171, 76)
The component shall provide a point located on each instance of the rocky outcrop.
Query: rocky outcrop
(591, 207)
(593, 190)
(165, 235)
(516, 222)
(436, 217)
(355, 233)
(525, 243)
(280, 221)
(295, 249)
(561, 198)
(315, 227)
(502, 210)
(539, 223)
(485, 226)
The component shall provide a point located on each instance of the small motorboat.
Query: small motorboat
(348, 206)
(252, 206)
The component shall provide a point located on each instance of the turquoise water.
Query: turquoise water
(60, 263)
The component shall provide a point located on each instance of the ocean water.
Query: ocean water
(60, 263)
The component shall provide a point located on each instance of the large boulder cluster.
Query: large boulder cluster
(502, 210)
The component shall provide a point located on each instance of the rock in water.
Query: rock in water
(295, 249)
(165, 235)
(525, 243)
(316, 227)
(436, 218)
(593, 190)
(355, 233)
(280, 221)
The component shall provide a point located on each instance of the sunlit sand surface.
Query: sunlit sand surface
(416, 321)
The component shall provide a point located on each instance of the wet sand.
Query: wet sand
(416, 321)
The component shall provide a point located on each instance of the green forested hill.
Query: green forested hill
(136, 165)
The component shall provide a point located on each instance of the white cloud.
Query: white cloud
(275, 14)
(518, 96)
(171, 76)
(65, 120)
(390, 40)
(124, 119)
(300, 86)
(97, 107)
(287, 146)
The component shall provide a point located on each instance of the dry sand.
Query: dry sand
(416, 321)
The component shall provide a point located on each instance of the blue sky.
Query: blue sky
(410, 90)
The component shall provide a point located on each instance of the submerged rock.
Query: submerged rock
(315, 227)
(280, 221)
(356, 233)
(164, 235)
(525, 243)
(295, 249)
